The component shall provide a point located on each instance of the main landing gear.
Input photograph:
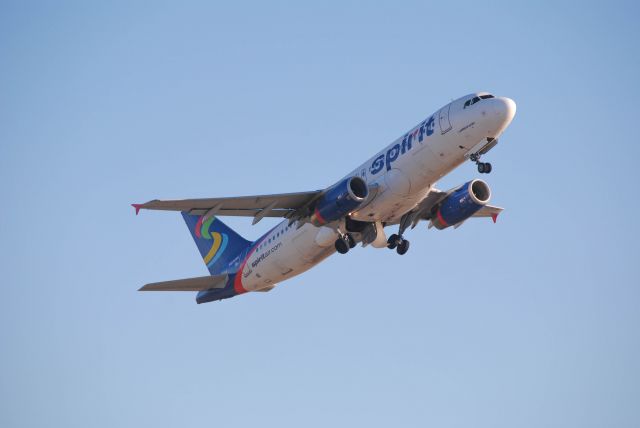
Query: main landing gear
(344, 243)
(397, 241)
(400, 244)
(483, 167)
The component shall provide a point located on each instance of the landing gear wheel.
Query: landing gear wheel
(351, 241)
(342, 246)
(483, 167)
(403, 247)
(392, 242)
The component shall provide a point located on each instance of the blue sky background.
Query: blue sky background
(527, 323)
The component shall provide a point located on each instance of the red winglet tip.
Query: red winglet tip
(494, 217)
(137, 207)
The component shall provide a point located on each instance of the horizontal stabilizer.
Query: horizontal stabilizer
(188, 284)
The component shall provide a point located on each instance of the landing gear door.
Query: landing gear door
(443, 115)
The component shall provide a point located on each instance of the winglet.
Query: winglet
(494, 217)
(137, 207)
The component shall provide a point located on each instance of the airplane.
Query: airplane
(395, 187)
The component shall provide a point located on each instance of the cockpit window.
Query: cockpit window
(474, 100)
(471, 102)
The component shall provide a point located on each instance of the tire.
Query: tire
(392, 242)
(352, 242)
(481, 168)
(403, 247)
(342, 246)
(487, 168)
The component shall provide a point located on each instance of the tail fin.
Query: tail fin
(218, 244)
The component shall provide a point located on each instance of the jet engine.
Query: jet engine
(461, 204)
(339, 200)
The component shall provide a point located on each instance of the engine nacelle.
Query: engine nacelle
(461, 204)
(339, 200)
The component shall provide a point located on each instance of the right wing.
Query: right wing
(488, 211)
(423, 210)
(189, 284)
(287, 205)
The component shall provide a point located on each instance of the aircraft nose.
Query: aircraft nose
(505, 109)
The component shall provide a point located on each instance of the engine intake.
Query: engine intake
(461, 204)
(339, 200)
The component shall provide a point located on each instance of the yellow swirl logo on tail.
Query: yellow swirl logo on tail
(219, 240)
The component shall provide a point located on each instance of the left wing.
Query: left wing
(258, 207)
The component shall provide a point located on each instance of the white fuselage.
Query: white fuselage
(399, 176)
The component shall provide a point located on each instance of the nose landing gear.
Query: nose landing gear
(483, 167)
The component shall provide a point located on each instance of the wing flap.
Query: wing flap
(242, 212)
(188, 284)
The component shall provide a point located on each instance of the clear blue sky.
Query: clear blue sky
(532, 322)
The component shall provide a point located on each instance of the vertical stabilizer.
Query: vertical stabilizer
(218, 244)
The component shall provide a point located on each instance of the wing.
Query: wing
(423, 210)
(435, 196)
(189, 284)
(260, 206)
(488, 211)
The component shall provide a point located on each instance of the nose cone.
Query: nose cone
(505, 109)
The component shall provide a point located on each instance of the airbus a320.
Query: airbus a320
(394, 189)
